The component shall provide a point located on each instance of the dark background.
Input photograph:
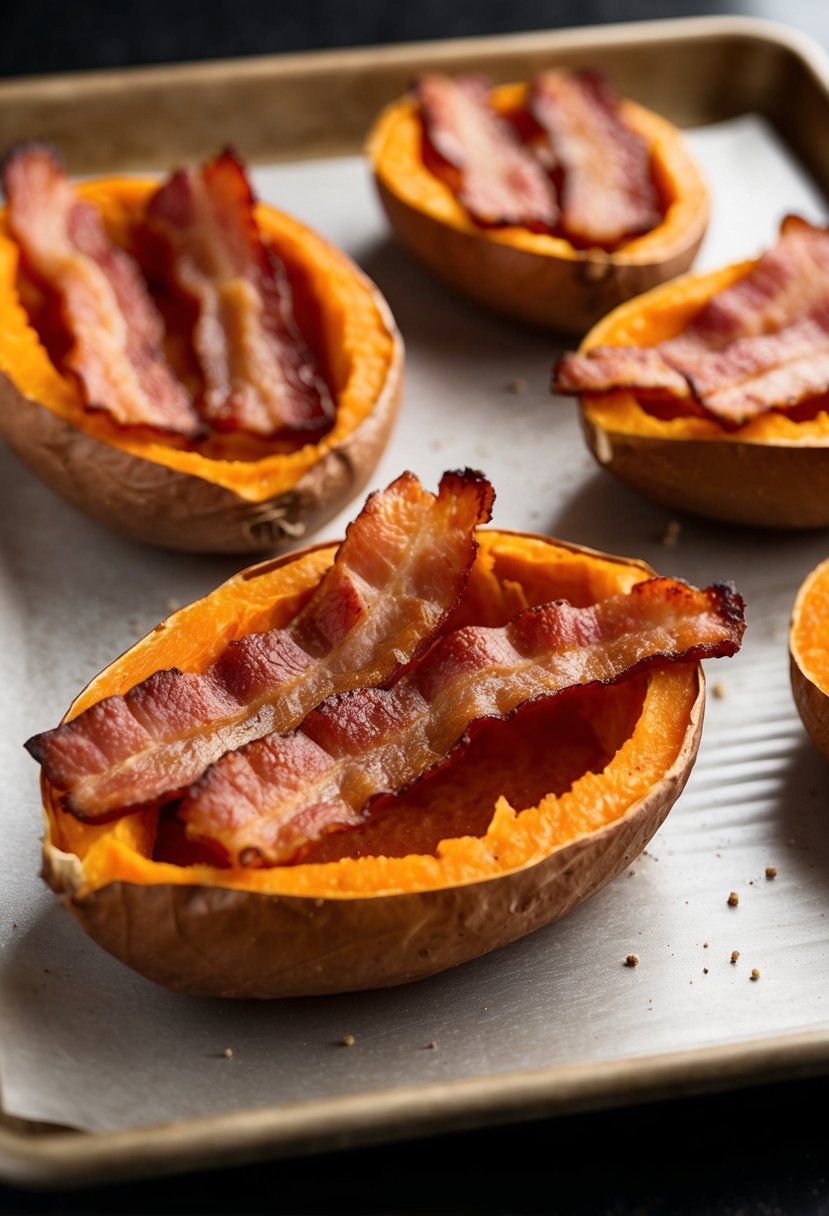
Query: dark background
(761, 1151)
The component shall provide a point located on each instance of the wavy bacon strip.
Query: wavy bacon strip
(401, 569)
(263, 803)
(607, 192)
(116, 333)
(762, 343)
(259, 374)
(501, 181)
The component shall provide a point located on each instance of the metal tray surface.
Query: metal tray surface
(105, 1075)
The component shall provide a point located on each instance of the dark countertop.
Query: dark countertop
(754, 1151)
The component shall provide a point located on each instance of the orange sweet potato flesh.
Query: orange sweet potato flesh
(539, 814)
(809, 655)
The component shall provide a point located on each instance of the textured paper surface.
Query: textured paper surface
(85, 1042)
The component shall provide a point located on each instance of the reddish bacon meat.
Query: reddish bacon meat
(259, 374)
(115, 332)
(501, 181)
(263, 803)
(607, 191)
(762, 343)
(400, 571)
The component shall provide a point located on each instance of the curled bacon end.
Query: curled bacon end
(607, 193)
(115, 331)
(400, 571)
(265, 802)
(501, 181)
(259, 374)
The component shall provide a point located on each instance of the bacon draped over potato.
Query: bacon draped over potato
(762, 343)
(500, 181)
(264, 802)
(259, 375)
(400, 571)
(607, 191)
(115, 332)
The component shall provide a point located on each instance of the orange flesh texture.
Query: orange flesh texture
(395, 150)
(553, 775)
(810, 627)
(655, 317)
(352, 342)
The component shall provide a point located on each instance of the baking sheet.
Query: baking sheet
(87, 1044)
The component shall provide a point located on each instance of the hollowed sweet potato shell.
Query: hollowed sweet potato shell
(772, 472)
(539, 814)
(531, 276)
(809, 655)
(229, 494)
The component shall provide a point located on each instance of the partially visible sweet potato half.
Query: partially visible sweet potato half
(532, 811)
(535, 260)
(809, 655)
(236, 475)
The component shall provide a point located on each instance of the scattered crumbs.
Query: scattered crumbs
(14, 926)
(705, 945)
(718, 854)
(705, 971)
(517, 385)
(172, 605)
(751, 882)
(632, 960)
(631, 873)
(718, 690)
(735, 954)
(771, 871)
(733, 899)
(347, 1040)
(228, 1053)
(755, 974)
(431, 1045)
(671, 534)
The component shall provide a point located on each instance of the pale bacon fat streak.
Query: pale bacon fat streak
(263, 803)
(762, 343)
(401, 569)
(116, 333)
(607, 192)
(501, 180)
(259, 375)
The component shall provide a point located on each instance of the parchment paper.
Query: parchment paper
(87, 1043)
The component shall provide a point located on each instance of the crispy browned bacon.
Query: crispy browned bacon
(263, 803)
(607, 191)
(399, 572)
(501, 181)
(762, 343)
(259, 374)
(115, 331)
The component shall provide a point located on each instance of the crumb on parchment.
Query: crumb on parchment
(347, 1040)
(718, 690)
(228, 1053)
(735, 954)
(771, 871)
(755, 974)
(733, 899)
(632, 960)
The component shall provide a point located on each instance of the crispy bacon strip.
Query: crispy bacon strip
(762, 343)
(115, 330)
(607, 192)
(259, 374)
(501, 181)
(263, 803)
(399, 572)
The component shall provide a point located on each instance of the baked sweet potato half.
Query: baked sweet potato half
(556, 259)
(541, 799)
(126, 303)
(709, 394)
(809, 655)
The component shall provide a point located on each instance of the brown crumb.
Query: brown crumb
(755, 974)
(718, 690)
(431, 1045)
(735, 954)
(733, 899)
(671, 534)
(228, 1053)
(705, 971)
(771, 871)
(632, 960)
(631, 873)
(517, 385)
(347, 1040)
(705, 945)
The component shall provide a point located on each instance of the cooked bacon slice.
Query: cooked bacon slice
(401, 569)
(116, 333)
(259, 374)
(762, 343)
(263, 803)
(501, 181)
(607, 191)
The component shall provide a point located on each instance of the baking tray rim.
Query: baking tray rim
(43, 1156)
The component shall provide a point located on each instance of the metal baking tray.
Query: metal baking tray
(552, 1023)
